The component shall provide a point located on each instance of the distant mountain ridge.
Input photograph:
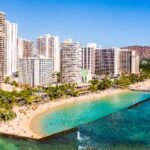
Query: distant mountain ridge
(142, 51)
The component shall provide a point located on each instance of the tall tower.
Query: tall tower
(71, 62)
(129, 61)
(88, 59)
(25, 48)
(2, 46)
(48, 46)
(107, 61)
(11, 47)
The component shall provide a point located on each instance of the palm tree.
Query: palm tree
(133, 78)
(6, 114)
(123, 82)
(105, 84)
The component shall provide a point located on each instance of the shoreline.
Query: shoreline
(22, 125)
(35, 127)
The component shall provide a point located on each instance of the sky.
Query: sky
(107, 22)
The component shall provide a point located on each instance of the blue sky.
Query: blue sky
(106, 22)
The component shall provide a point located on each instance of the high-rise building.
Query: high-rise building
(141, 51)
(129, 61)
(48, 46)
(35, 71)
(135, 63)
(114, 61)
(88, 60)
(71, 62)
(2, 46)
(11, 46)
(107, 61)
(25, 48)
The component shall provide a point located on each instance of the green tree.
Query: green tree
(94, 82)
(31, 99)
(123, 82)
(94, 85)
(7, 79)
(133, 78)
(6, 114)
(14, 83)
(105, 84)
(93, 88)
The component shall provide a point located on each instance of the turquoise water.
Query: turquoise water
(127, 129)
(85, 112)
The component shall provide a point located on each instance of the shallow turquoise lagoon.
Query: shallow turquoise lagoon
(84, 112)
(127, 129)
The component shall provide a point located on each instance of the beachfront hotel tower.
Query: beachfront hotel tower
(71, 62)
(25, 48)
(88, 60)
(49, 47)
(107, 61)
(2, 46)
(11, 48)
(129, 61)
(35, 71)
(115, 61)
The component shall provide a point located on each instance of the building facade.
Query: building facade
(129, 61)
(2, 46)
(115, 61)
(135, 63)
(25, 48)
(49, 47)
(88, 60)
(71, 62)
(107, 61)
(11, 46)
(35, 71)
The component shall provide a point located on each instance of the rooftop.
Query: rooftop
(2, 13)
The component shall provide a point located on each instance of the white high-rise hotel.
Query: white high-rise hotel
(48, 46)
(35, 71)
(11, 48)
(8, 47)
(88, 60)
(71, 62)
(2, 46)
(25, 48)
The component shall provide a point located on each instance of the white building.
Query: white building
(11, 46)
(49, 47)
(25, 48)
(2, 46)
(71, 62)
(135, 63)
(129, 61)
(35, 71)
(88, 60)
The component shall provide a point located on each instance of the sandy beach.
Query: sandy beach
(143, 86)
(22, 125)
